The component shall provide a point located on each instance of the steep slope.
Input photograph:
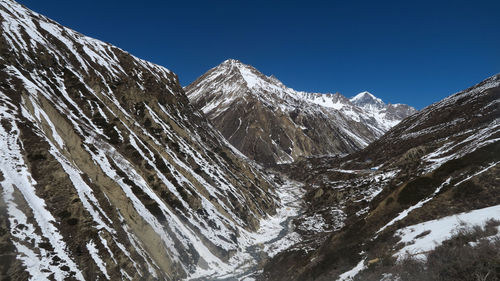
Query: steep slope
(400, 193)
(271, 123)
(106, 170)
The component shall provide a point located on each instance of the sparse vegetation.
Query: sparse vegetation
(482, 155)
(472, 254)
(417, 189)
(466, 190)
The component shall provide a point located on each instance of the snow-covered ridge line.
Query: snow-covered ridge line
(94, 51)
(256, 80)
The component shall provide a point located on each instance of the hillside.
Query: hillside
(107, 171)
(425, 177)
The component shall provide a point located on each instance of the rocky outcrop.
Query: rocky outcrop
(106, 170)
(271, 123)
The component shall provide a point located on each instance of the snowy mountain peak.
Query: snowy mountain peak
(367, 99)
(251, 76)
(231, 61)
(233, 64)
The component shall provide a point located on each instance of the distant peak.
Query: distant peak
(231, 61)
(366, 98)
(364, 95)
(234, 64)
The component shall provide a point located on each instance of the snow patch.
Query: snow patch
(440, 230)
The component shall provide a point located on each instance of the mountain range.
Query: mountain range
(111, 170)
(271, 123)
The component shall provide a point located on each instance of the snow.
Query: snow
(333, 101)
(491, 165)
(105, 244)
(274, 235)
(250, 78)
(344, 171)
(84, 191)
(358, 139)
(363, 211)
(57, 33)
(365, 96)
(314, 223)
(38, 113)
(440, 230)
(422, 202)
(94, 253)
(290, 195)
(378, 179)
(17, 179)
(101, 159)
(475, 140)
(317, 223)
(349, 275)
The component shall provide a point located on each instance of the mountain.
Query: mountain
(271, 123)
(367, 100)
(373, 106)
(108, 172)
(401, 196)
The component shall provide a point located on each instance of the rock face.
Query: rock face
(106, 170)
(362, 208)
(271, 123)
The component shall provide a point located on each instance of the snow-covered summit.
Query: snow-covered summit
(366, 99)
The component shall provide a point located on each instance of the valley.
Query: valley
(111, 170)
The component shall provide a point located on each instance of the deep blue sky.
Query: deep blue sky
(414, 52)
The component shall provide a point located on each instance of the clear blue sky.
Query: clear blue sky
(414, 52)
